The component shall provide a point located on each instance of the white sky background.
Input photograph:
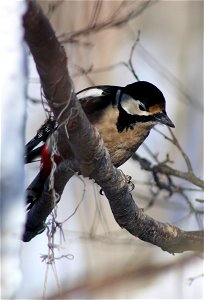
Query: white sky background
(12, 96)
(171, 31)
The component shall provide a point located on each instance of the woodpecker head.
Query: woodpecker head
(141, 102)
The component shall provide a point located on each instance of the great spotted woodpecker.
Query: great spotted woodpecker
(124, 117)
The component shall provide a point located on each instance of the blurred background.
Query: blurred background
(162, 41)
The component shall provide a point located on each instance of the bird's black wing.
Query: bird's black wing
(31, 152)
(95, 99)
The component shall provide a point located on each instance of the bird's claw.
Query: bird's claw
(131, 185)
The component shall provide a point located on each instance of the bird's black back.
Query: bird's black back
(92, 104)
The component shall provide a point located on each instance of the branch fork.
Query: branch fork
(75, 130)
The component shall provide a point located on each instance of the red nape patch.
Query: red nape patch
(46, 163)
(157, 108)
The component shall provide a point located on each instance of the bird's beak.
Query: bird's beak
(164, 119)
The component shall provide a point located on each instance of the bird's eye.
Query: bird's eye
(142, 107)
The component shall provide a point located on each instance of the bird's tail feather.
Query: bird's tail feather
(35, 190)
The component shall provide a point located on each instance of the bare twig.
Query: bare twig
(175, 142)
(116, 20)
(130, 62)
(53, 6)
(192, 279)
(163, 168)
(129, 65)
(94, 161)
(160, 168)
(95, 13)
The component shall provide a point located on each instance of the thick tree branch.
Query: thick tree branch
(92, 159)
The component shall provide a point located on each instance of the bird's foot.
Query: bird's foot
(131, 185)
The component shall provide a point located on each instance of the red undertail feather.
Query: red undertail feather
(46, 162)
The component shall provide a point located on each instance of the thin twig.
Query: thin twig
(186, 158)
(130, 61)
(116, 20)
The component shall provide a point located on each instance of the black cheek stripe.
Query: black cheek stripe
(126, 121)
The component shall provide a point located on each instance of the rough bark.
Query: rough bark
(92, 159)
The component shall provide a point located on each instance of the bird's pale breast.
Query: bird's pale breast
(121, 145)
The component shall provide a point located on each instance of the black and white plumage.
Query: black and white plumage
(124, 117)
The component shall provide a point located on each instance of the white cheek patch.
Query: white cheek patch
(93, 92)
(131, 106)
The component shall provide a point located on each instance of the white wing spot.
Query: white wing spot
(93, 92)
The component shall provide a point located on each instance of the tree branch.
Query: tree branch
(117, 19)
(92, 159)
(163, 168)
